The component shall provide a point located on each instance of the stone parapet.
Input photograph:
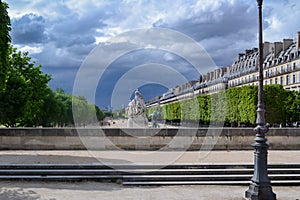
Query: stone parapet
(144, 139)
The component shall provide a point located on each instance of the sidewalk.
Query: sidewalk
(20, 190)
(143, 157)
(33, 190)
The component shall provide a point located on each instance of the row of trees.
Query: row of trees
(27, 100)
(25, 97)
(235, 106)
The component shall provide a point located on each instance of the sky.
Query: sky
(61, 34)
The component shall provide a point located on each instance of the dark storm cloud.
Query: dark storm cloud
(220, 31)
(60, 34)
(30, 28)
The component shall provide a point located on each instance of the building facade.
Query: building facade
(281, 66)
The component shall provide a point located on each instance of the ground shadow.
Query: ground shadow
(19, 194)
(19, 188)
(55, 159)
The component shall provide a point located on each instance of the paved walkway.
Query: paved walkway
(31, 190)
(109, 191)
(148, 157)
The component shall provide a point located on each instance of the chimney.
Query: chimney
(277, 47)
(267, 49)
(287, 43)
(248, 51)
(241, 56)
(298, 43)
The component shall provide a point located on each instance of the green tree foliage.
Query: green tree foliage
(4, 42)
(237, 106)
(85, 112)
(25, 97)
(275, 98)
(218, 107)
(4, 52)
(189, 109)
(204, 108)
(25, 85)
(247, 104)
(292, 106)
(232, 112)
(100, 114)
(241, 105)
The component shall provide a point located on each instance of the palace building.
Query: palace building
(281, 66)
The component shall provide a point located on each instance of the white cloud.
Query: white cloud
(31, 49)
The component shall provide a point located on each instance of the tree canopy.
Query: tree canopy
(4, 42)
(25, 97)
(236, 106)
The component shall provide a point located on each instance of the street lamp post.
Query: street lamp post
(260, 186)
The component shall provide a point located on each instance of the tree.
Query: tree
(292, 107)
(4, 52)
(275, 100)
(4, 42)
(26, 86)
(64, 115)
(233, 100)
(100, 115)
(247, 104)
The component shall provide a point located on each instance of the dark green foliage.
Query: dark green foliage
(28, 101)
(218, 107)
(21, 100)
(85, 112)
(172, 111)
(247, 104)
(204, 108)
(292, 107)
(4, 43)
(99, 114)
(275, 106)
(241, 105)
(236, 106)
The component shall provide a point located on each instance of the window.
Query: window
(294, 66)
(276, 82)
(294, 78)
(266, 82)
(281, 80)
(281, 69)
(287, 79)
(271, 82)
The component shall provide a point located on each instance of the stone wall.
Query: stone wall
(144, 139)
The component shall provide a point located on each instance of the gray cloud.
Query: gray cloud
(30, 28)
(62, 33)
(222, 31)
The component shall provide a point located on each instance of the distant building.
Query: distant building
(281, 66)
(212, 82)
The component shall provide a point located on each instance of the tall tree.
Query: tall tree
(4, 48)
(4, 41)
(26, 86)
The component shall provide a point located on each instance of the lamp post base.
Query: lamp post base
(260, 192)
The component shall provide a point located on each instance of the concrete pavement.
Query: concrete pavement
(148, 157)
(32, 190)
(108, 191)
